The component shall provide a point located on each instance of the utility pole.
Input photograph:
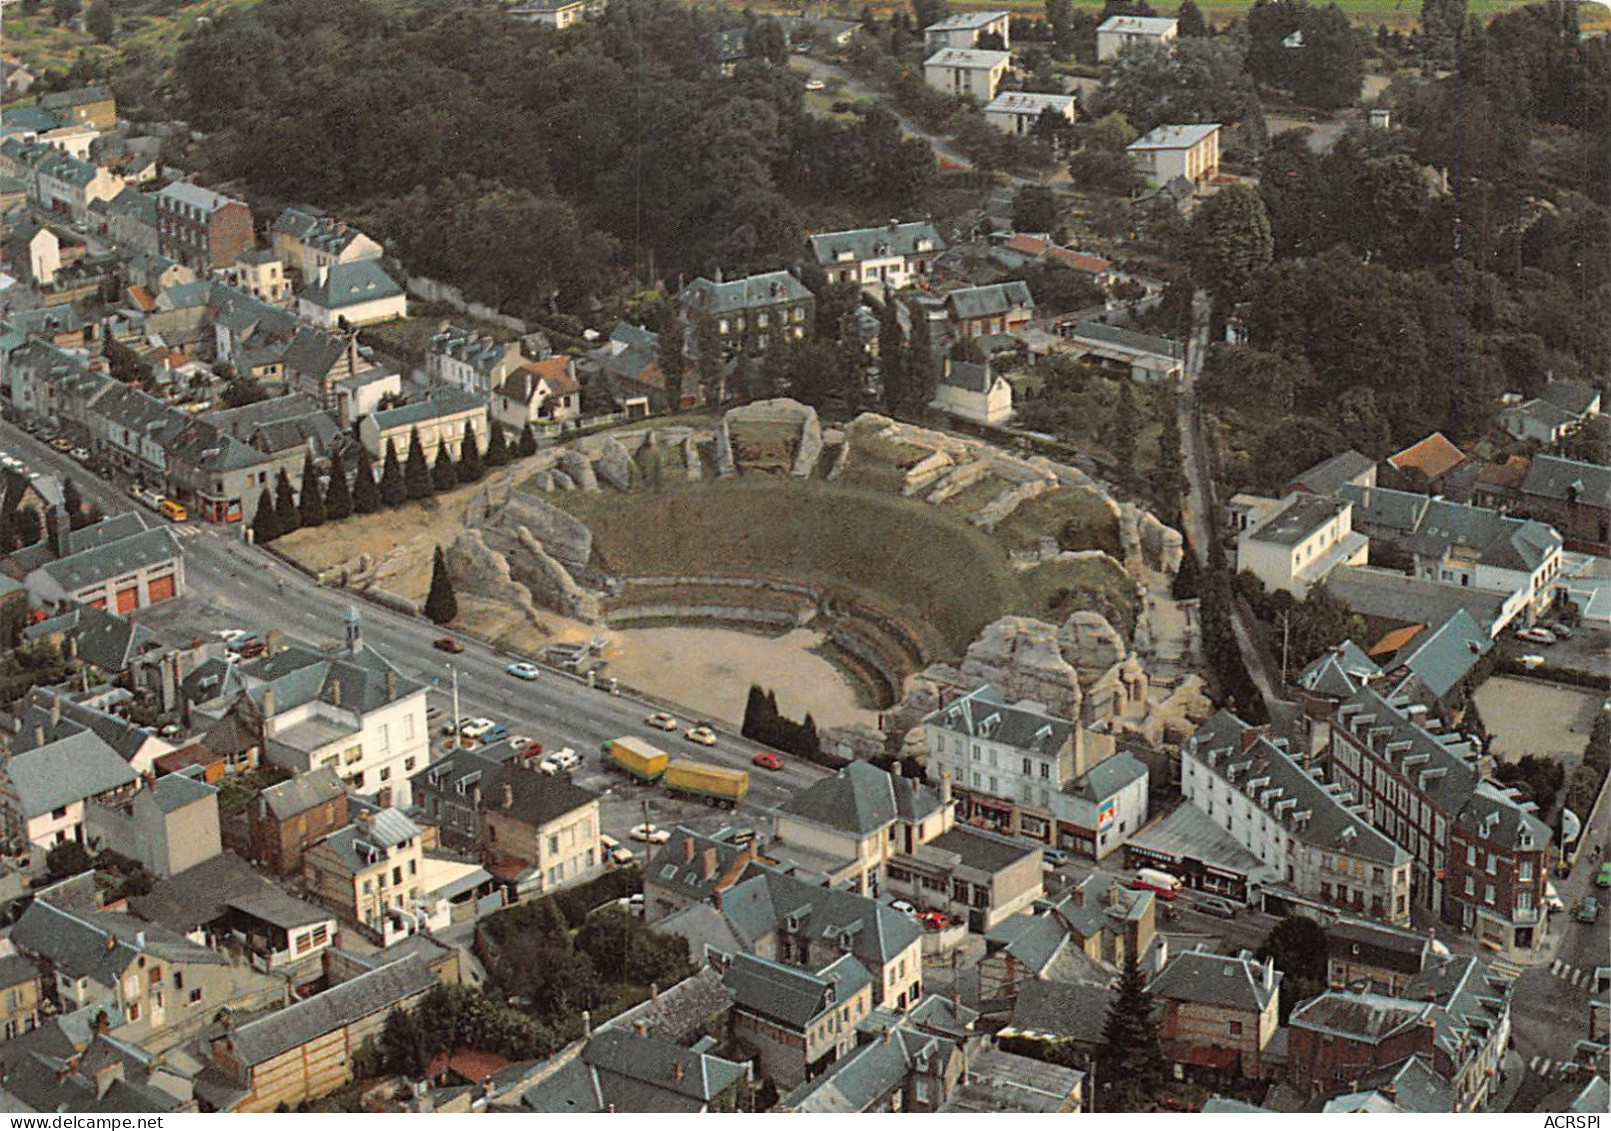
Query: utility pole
(454, 672)
(1286, 624)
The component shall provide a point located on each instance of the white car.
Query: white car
(902, 906)
(702, 735)
(232, 635)
(524, 670)
(475, 728)
(1530, 661)
(81, 455)
(1536, 636)
(566, 759)
(650, 834)
(814, 84)
(662, 721)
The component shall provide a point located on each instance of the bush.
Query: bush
(1577, 677)
(574, 903)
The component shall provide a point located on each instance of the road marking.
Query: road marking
(1543, 1069)
(1555, 967)
(1577, 978)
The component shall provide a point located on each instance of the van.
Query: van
(1162, 884)
(172, 511)
(612, 849)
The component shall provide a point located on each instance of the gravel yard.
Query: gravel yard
(1527, 716)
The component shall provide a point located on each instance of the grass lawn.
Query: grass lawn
(1057, 589)
(1094, 526)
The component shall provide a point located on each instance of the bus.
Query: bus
(1162, 884)
(172, 511)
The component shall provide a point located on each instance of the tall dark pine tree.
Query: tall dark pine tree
(338, 497)
(444, 476)
(393, 488)
(1122, 432)
(417, 479)
(892, 365)
(1190, 22)
(311, 508)
(528, 442)
(265, 523)
(30, 528)
(286, 516)
(708, 344)
(441, 605)
(671, 352)
(73, 504)
(365, 491)
(1130, 1065)
(921, 367)
(470, 467)
(498, 453)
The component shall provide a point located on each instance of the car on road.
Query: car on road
(62, 444)
(613, 850)
(523, 670)
(650, 834)
(1558, 630)
(704, 736)
(934, 920)
(80, 455)
(1214, 905)
(815, 84)
(767, 760)
(1536, 635)
(1056, 857)
(1589, 910)
(566, 759)
(476, 728)
(1602, 878)
(528, 749)
(1531, 660)
(662, 721)
(448, 644)
(902, 906)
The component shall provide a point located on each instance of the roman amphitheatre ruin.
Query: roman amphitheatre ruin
(849, 568)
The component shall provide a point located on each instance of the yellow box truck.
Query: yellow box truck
(636, 758)
(715, 784)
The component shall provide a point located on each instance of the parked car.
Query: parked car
(1602, 878)
(1536, 635)
(1589, 910)
(662, 721)
(815, 84)
(631, 904)
(62, 444)
(934, 920)
(1214, 905)
(496, 734)
(529, 748)
(767, 761)
(448, 644)
(902, 906)
(613, 850)
(1531, 660)
(1056, 857)
(566, 759)
(523, 670)
(476, 728)
(80, 455)
(650, 834)
(704, 736)
(1558, 630)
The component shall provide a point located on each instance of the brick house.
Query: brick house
(204, 230)
(1219, 1012)
(288, 817)
(798, 1022)
(1574, 497)
(542, 824)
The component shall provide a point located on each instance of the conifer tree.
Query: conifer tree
(310, 504)
(365, 491)
(441, 605)
(444, 476)
(265, 523)
(417, 480)
(528, 442)
(1130, 1064)
(498, 454)
(338, 497)
(393, 489)
(470, 468)
(287, 518)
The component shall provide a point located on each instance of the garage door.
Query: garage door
(98, 603)
(128, 599)
(161, 588)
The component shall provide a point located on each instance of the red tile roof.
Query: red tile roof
(470, 1065)
(1395, 640)
(1434, 457)
(143, 298)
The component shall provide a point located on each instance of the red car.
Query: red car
(767, 761)
(934, 920)
(448, 644)
(531, 750)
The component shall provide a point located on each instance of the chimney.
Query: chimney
(707, 864)
(1269, 973)
(111, 942)
(676, 1070)
(268, 702)
(688, 850)
(335, 693)
(895, 770)
(654, 991)
(945, 787)
(57, 531)
(1113, 893)
(55, 709)
(641, 1028)
(355, 632)
(587, 1023)
(1391, 1092)
(39, 734)
(391, 685)
(508, 796)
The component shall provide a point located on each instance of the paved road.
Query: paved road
(854, 88)
(234, 585)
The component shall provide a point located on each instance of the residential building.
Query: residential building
(900, 1068)
(1572, 496)
(800, 1023)
(537, 392)
(1296, 544)
(260, 274)
(539, 830)
(204, 230)
(19, 996)
(1066, 1015)
(1189, 152)
(998, 308)
(44, 791)
(894, 256)
(368, 871)
(473, 361)
(223, 903)
(628, 366)
(130, 220)
(168, 826)
(1323, 852)
(690, 869)
(1425, 465)
(1455, 1016)
(349, 711)
(1146, 357)
(753, 312)
(305, 1051)
(91, 105)
(359, 293)
(1462, 546)
(306, 240)
(968, 29)
(1018, 112)
(1372, 958)
(557, 14)
(970, 390)
(998, 1082)
(1116, 33)
(1022, 248)
(288, 817)
(1219, 1012)
(50, 716)
(55, 180)
(444, 415)
(35, 253)
(640, 1071)
(319, 361)
(964, 71)
(1482, 855)
(1085, 935)
(1325, 477)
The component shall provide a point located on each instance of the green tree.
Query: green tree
(1189, 21)
(73, 504)
(1035, 209)
(365, 491)
(707, 360)
(441, 605)
(393, 486)
(417, 479)
(243, 391)
(671, 352)
(470, 466)
(99, 21)
(63, 10)
(528, 442)
(29, 527)
(1298, 945)
(68, 858)
(338, 497)
(444, 476)
(498, 454)
(1230, 242)
(1060, 18)
(923, 370)
(926, 12)
(404, 1045)
(892, 363)
(1130, 1064)
(265, 523)
(311, 510)
(1124, 431)
(1443, 24)
(287, 518)
(1318, 622)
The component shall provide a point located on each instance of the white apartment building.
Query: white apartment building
(1118, 32)
(966, 71)
(1293, 546)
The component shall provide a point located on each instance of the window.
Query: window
(195, 996)
(1471, 855)
(408, 763)
(1493, 863)
(1045, 771)
(1524, 871)
(553, 844)
(58, 814)
(1488, 894)
(386, 773)
(1029, 768)
(134, 1011)
(408, 726)
(1236, 1028)
(385, 736)
(1471, 886)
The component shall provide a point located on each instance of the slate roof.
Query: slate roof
(1128, 340)
(1145, 25)
(364, 996)
(671, 867)
(1296, 519)
(1367, 1017)
(295, 222)
(1388, 948)
(1172, 137)
(1441, 657)
(985, 713)
(1410, 600)
(1575, 398)
(77, 944)
(108, 530)
(965, 21)
(15, 970)
(1339, 671)
(145, 550)
(314, 351)
(1551, 477)
(1030, 102)
(788, 996)
(1108, 777)
(387, 828)
(968, 58)
(120, 734)
(76, 767)
(203, 893)
(979, 850)
(990, 300)
(347, 284)
(173, 792)
(301, 793)
(194, 196)
(443, 400)
(768, 900)
(639, 1074)
(861, 799)
(869, 1073)
(300, 675)
(874, 243)
(970, 376)
(1000, 1081)
(1307, 809)
(78, 96)
(1032, 940)
(681, 1013)
(1416, 1086)
(1216, 979)
(481, 352)
(535, 798)
(755, 291)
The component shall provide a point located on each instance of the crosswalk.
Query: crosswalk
(1543, 1066)
(1578, 977)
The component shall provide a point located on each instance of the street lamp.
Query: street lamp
(454, 672)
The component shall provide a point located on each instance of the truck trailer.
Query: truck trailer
(635, 758)
(715, 784)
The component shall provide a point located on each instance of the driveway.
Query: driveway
(854, 89)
